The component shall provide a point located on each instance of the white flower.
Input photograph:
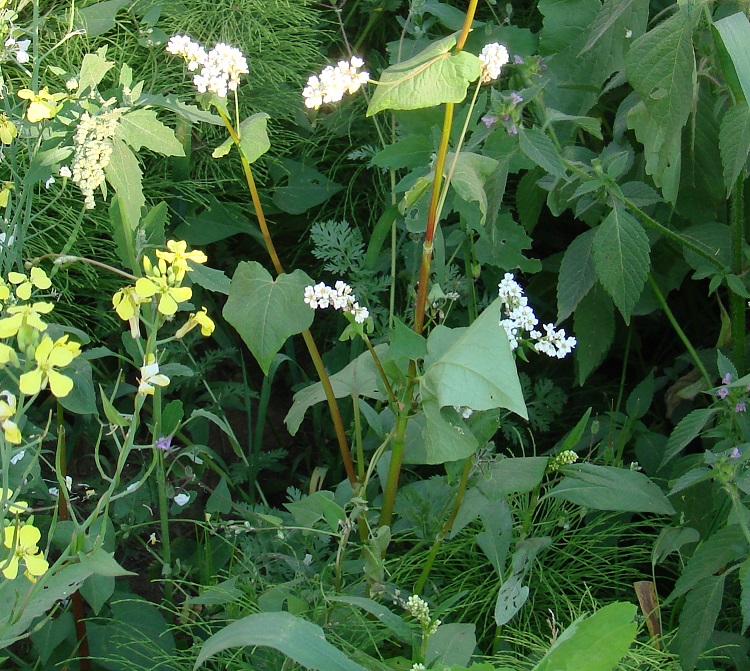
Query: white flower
(18, 456)
(333, 83)
(93, 142)
(71, 84)
(50, 181)
(132, 487)
(493, 57)
(340, 297)
(151, 376)
(308, 559)
(19, 49)
(65, 172)
(55, 492)
(182, 499)
(220, 68)
(628, 34)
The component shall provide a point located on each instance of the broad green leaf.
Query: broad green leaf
(697, 619)
(52, 634)
(639, 400)
(218, 595)
(502, 244)
(530, 199)
(540, 149)
(210, 278)
(190, 113)
(305, 187)
(577, 274)
(469, 177)
(478, 370)
(495, 540)
(671, 540)
(124, 174)
(514, 475)
(713, 555)
(622, 259)
(141, 128)
(93, 69)
(220, 500)
(444, 441)
(587, 123)
(745, 594)
(98, 18)
(82, 398)
(595, 643)
(359, 377)
(254, 140)
(409, 152)
(691, 478)
(686, 431)
(610, 488)
(266, 312)
(451, 644)
(303, 641)
(432, 77)
(101, 562)
(513, 593)
(661, 68)
(734, 33)
(97, 589)
(734, 142)
(594, 327)
(383, 614)
(405, 344)
(713, 238)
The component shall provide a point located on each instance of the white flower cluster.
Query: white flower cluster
(493, 57)
(520, 317)
(420, 611)
(331, 84)
(93, 141)
(340, 297)
(220, 68)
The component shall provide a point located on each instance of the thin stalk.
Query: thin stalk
(680, 333)
(737, 303)
(312, 348)
(161, 484)
(422, 581)
(623, 374)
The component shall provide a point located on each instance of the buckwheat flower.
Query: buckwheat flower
(15, 508)
(93, 151)
(10, 428)
(65, 172)
(360, 313)
(193, 53)
(417, 666)
(340, 298)
(50, 181)
(334, 82)
(740, 407)
(150, 376)
(23, 541)
(49, 356)
(493, 57)
(71, 84)
(182, 499)
(722, 392)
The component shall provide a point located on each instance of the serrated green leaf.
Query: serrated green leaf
(577, 274)
(661, 68)
(734, 142)
(594, 328)
(141, 128)
(686, 431)
(540, 149)
(622, 259)
(93, 69)
(587, 123)
(432, 77)
(697, 620)
(303, 641)
(265, 311)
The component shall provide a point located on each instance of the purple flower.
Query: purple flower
(489, 120)
(164, 443)
(513, 130)
(740, 407)
(506, 117)
(722, 392)
(726, 379)
(518, 60)
(735, 453)
(516, 98)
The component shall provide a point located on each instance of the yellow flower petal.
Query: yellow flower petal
(36, 564)
(30, 383)
(39, 278)
(12, 432)
(10, 570)
(61, 385)
(167, 304)
(145, 288)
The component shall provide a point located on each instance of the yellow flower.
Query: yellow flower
(42, 105)
(5, 193)
(38, 279)
(15, 508)
(165, 283)
(178, 256)
(50, 355)
(7, 412)
(151, 376)
(199, 318)
(22, 541)
(24, 315)
(8, 355)
(8, 130)
(4, 290)
(127, 304)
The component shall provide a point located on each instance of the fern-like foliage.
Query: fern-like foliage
(338, 245)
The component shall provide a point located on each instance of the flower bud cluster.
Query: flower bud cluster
(331, 84)
(420, 611)
(520, 317)
(93, 151)
(220, 68)
(493, 57)
(564, 458)
(340, 298)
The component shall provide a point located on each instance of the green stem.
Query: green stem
(394, 467)
(680, 333)
(737, 303)
(312, 348)
(422, 581)
(161, 484)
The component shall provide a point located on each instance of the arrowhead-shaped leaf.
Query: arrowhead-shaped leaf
(265, 311)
